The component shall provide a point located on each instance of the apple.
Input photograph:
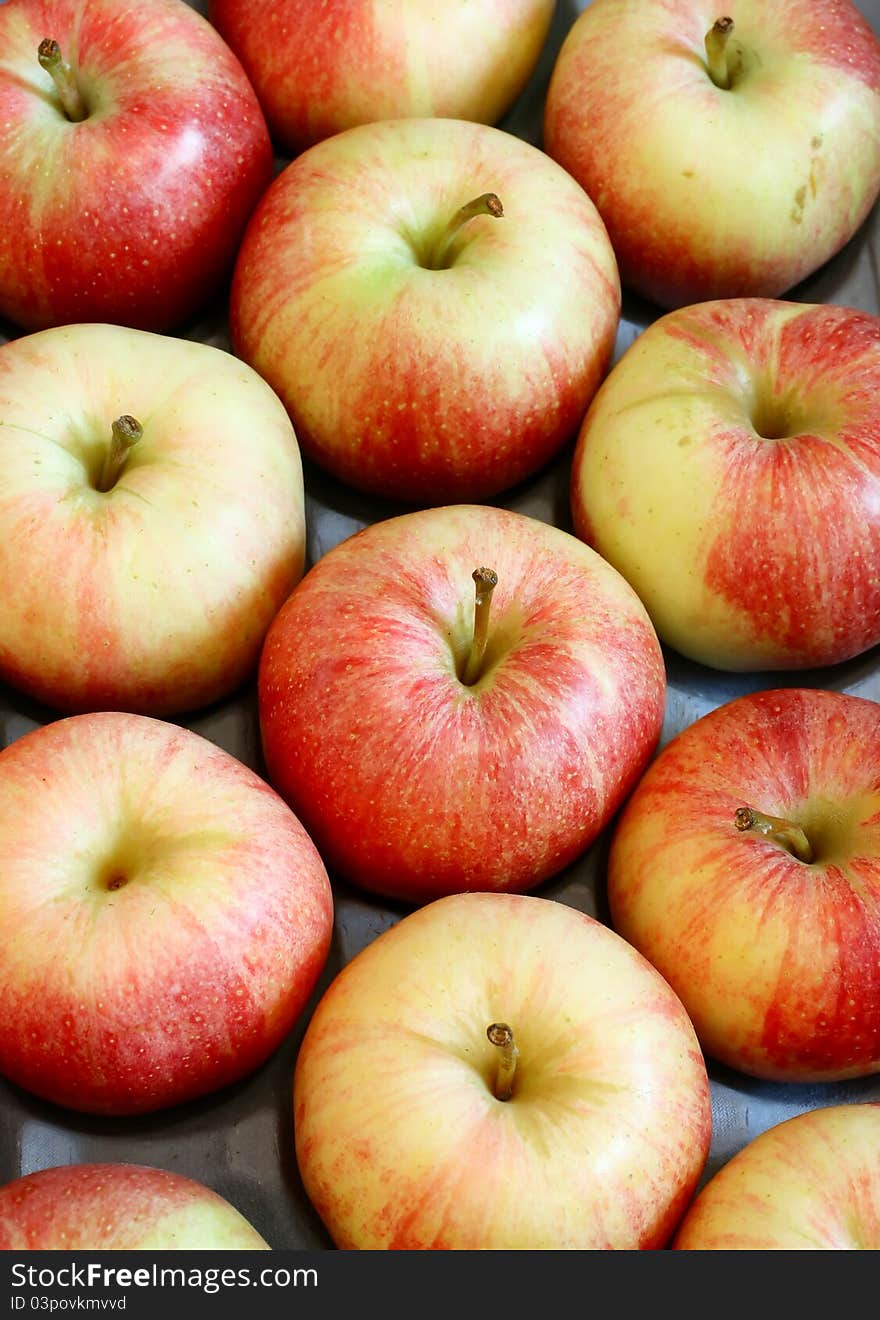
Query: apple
(731, 149)
(119, 1207)
(809, 1183)
(132, 154)
(500, 1071)
(140, 573)
(436, 733)
(163, 915)
(728, 468)
(434, 301)
(319, 68)
(746, 867)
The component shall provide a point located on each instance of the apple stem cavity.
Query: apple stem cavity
(782, 832)
(720, 57)
(485, 580)
(486, 204)
(501, 1036)
(126, 433)
(71, 98)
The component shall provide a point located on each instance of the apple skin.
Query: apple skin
(809, 1183)
(776, 960)
(400, 1140)
(156, 595)
(163, 915)
(720, 193)
(728, 468)
(320, 68)
(119, 1207)
(134, 215)
(427, 385)
(415, 785)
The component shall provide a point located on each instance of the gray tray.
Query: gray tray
(240, 1141)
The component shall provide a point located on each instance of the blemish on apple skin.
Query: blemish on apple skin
(687, 174)
(800, 198)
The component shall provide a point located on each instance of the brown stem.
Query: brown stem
(49, 55)
(126, 433)
(486, 580)
(718, 53)
(486, 204)
(501, 1035)
(782, 832)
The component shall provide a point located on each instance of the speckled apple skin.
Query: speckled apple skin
(400, 1140)
(414, 784)
(711, 192)
(776, 960)
(119, 1207)
(811, 1183)
(126, 998)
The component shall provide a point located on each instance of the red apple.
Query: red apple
(119, 1207)
(746, 868)
(434, 301)
(319, 68)
(809, 1183)
(141, 578)
(430, 748)
(729, 469)
(500, 1071)
(163, 915)
(731, 148)
(124, 189)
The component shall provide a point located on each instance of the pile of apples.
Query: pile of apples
(439, 575)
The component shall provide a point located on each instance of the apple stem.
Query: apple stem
(486, 204)
(49, 55)
(718, 54)
(126, 433)
(501, 1036)
(784, 832)
(486, 580)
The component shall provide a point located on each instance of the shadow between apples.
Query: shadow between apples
(335, 511)
(838, 281)
(9, 331)
(231, 723)
(19, 714)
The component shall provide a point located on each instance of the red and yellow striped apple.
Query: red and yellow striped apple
(811, 1183)
(500, 1071)
(731, 148)
(132, 152)
(319, 68)
(746, 867)
(119, 1207)
(430, 747)
(163, 915)
(729, 469)
(140, 573)
(434, 301)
